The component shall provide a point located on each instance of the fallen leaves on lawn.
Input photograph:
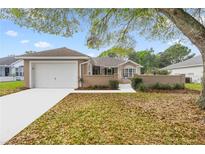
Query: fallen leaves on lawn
(127, 118)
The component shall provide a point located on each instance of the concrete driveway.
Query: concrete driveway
(20, 109)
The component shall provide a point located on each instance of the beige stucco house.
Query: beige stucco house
(66, 68)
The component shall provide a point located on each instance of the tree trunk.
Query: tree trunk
(195, 31)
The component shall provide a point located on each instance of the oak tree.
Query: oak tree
(117, 26)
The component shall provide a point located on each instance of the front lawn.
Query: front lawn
(193, 86)
(10, 87)
(128, 118)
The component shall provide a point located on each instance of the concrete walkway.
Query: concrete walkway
(126, 88)
(123, 88)
(20, 109)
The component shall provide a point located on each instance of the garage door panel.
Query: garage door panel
(56, 75)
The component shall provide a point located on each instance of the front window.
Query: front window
(17, 72)
(96, 70)
(21, 71)
(110, 71)
(6, 71)
(129, 72)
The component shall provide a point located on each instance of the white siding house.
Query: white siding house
(11, 69)
(192, 68)
(17, 69)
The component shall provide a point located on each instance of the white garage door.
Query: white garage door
(55, 75)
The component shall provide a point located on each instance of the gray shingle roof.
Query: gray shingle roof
(7, 60)
(59, 52)
(107, 61)
(197, 60)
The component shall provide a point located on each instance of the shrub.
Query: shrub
(161, 72)
(96, 87)
(160, 86)
(165, 87)
(114, 84)
(142, 87)
(155, 86)
(135, 82)
(81, 80)
(178, 86)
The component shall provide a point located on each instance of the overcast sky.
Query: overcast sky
(15, 40)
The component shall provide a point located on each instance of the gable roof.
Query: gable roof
(59, 52)
(195, 61)
(7, 60)
(109, 61)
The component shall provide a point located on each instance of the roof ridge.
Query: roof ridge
(63, 51)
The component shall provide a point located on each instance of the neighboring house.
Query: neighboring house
(11, 69)
(192, 68)
(66, 68)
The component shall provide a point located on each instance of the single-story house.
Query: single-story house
(11, 69)
(66, 68)
(192, 68)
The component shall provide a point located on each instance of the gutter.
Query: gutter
(181, 67)
(72, 57)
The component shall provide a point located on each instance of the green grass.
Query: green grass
(10, 87)
(193, 86)
(128, 118)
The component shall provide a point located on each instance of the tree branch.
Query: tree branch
(125, 29)
(188, 25)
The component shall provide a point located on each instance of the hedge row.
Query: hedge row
(138, 84)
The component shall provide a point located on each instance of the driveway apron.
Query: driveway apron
(20, 109)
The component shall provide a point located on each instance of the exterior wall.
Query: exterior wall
(164, 79)
(84, 69)
(127, 65)
(26, 68)
(26, 73)
(196, 73)
(92, 80)
(80, 69)
(2, 71)
(19, 65)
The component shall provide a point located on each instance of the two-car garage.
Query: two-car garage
(53, 74)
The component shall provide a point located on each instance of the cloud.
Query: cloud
(24, 41)
(172, 42)
(11, 33)
(42, 44)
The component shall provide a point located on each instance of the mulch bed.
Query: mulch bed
(181, 91)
